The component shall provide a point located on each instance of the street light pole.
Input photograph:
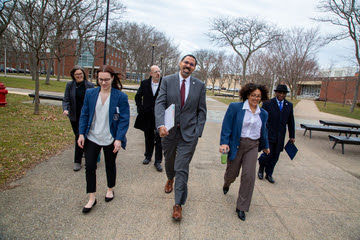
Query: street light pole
(152, 54)
(106, 29)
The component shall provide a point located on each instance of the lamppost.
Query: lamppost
(106, 28)
(152, 53)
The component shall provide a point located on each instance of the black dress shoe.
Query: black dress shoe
(158, 167)
(146, 161)
(241, 214)
(261, 173)
(270, 179)
(108, 199)
(87, 210)
(225, 190)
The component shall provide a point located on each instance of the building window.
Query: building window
(107, 61)
(112, 62)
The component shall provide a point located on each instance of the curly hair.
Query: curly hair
(72, 72)
(116, 82)
(250, 87)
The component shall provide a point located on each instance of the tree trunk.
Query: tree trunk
(356, 94)
(50, 63)
(37, 87)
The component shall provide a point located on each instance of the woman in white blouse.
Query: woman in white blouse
(243, 133)
(104, 122)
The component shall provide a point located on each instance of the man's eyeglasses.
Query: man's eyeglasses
(255, 96)
(191, 64)
(104, 80)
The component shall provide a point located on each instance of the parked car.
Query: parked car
(209, 87)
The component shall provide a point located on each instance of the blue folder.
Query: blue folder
(291, 149)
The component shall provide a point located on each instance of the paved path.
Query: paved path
(314, 197)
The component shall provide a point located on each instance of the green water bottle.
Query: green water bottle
(224, 157)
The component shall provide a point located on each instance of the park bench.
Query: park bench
(344, 140)
(46, 96)
(322, 128)
(339, 124)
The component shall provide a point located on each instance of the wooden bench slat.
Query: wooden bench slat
(340, 124)
(47, 96)
(344, 140)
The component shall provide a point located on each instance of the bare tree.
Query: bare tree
(244, 35)
(205, 62)
(64, 23)
(346, 15)
(33, 23)
(325, 75)
(7, 9)
(138, 42)
(293, 57)
(88, 19)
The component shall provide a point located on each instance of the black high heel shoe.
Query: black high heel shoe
(107, 199)
(87, 210)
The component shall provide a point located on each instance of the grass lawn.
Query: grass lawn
(338, 109)
(28, 139)
(55, 86)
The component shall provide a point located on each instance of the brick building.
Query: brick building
(92, 55)
(339, 89)
(334, 89)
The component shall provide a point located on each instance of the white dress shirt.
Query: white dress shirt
(187, 85)
(99, 132)
(252, 123)
(154, 87)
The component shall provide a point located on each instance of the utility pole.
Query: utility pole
(106, 29)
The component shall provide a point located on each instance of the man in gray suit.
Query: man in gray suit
(189, 96)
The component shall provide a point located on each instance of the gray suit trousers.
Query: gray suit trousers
(178, 155)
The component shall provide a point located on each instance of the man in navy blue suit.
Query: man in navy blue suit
(281, 113)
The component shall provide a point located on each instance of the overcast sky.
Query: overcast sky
(186, 22)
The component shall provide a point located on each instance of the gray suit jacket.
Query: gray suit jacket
(191, 118)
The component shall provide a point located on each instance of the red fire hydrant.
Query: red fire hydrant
(3, 92)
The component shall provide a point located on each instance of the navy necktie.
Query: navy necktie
(280, 105)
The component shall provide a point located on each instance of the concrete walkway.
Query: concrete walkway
(316, 196)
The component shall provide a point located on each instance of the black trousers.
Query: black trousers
(92, 151)
(268, 162)
(152, 139)
(78, 150)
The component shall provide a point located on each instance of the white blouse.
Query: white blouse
(252, 122)
(99, 132)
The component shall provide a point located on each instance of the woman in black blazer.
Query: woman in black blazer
(72, 104)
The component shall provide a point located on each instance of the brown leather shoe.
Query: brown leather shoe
(177, 212)
(169, 186)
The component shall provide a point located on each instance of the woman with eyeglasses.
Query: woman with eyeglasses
(104, 122)
(72, 104)
(243, 133)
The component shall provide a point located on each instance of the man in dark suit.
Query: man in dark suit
(189, 96)
(281, 113)
(145, 121)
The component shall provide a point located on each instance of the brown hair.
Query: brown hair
(116, 82)
(72, 72)
(250, 87)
